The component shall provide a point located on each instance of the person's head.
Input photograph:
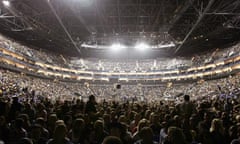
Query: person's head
(78, 101)
(233, 131)
(36, 131)
(19, 123)
(137, 117)
(67, 119)
(78, 127)
(65, 103)
(2, 120)
(176, 136)
(237, 118)
(207, 116)
(116, 129)
(142, 123)
(176, 118)
(59, 122)
(228, 100)
(27, 105)
(60, 132)
(78, 123)
(40, 121)
(216, 105)
(216, 125)
(98, 125)
(15, 99)
(106, 118)
(112, 140)
(186, 98)
(1, 93)
(92, 98)
(224, 115)
(52, 119)
(25, 118)
(122, 119)
(25, 141)
(150, 117)
(185, 124)
(146, 134)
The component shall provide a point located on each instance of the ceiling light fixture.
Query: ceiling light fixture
(6, 3)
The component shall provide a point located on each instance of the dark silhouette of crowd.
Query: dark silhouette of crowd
(31, 117)
(41, 121)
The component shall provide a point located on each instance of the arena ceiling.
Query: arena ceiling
(63, 25)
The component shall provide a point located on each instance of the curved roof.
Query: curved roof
(62, 26)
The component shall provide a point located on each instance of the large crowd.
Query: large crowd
(43, 111)
(46, 111)
(34, 54)
(56, 89)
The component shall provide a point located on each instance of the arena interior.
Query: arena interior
(119, 71)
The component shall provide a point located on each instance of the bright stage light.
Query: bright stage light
(6, 3)
(117, 47)
(142, 46)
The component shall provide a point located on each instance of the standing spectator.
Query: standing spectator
(187, 108)
(15, 109)
(91, 109)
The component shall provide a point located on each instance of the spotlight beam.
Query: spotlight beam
(62, 25)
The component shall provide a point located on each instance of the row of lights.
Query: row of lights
(139, 46)
(119, 46)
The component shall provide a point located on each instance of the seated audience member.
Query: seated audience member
(59, 136)
(4, 130)
(25, 141)
(98, 133)
(17, 132)
(142, 123)
(111, 140)
(36, 134)
(175, 136)
(217, 132)
(77, 133)
(146, 136)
